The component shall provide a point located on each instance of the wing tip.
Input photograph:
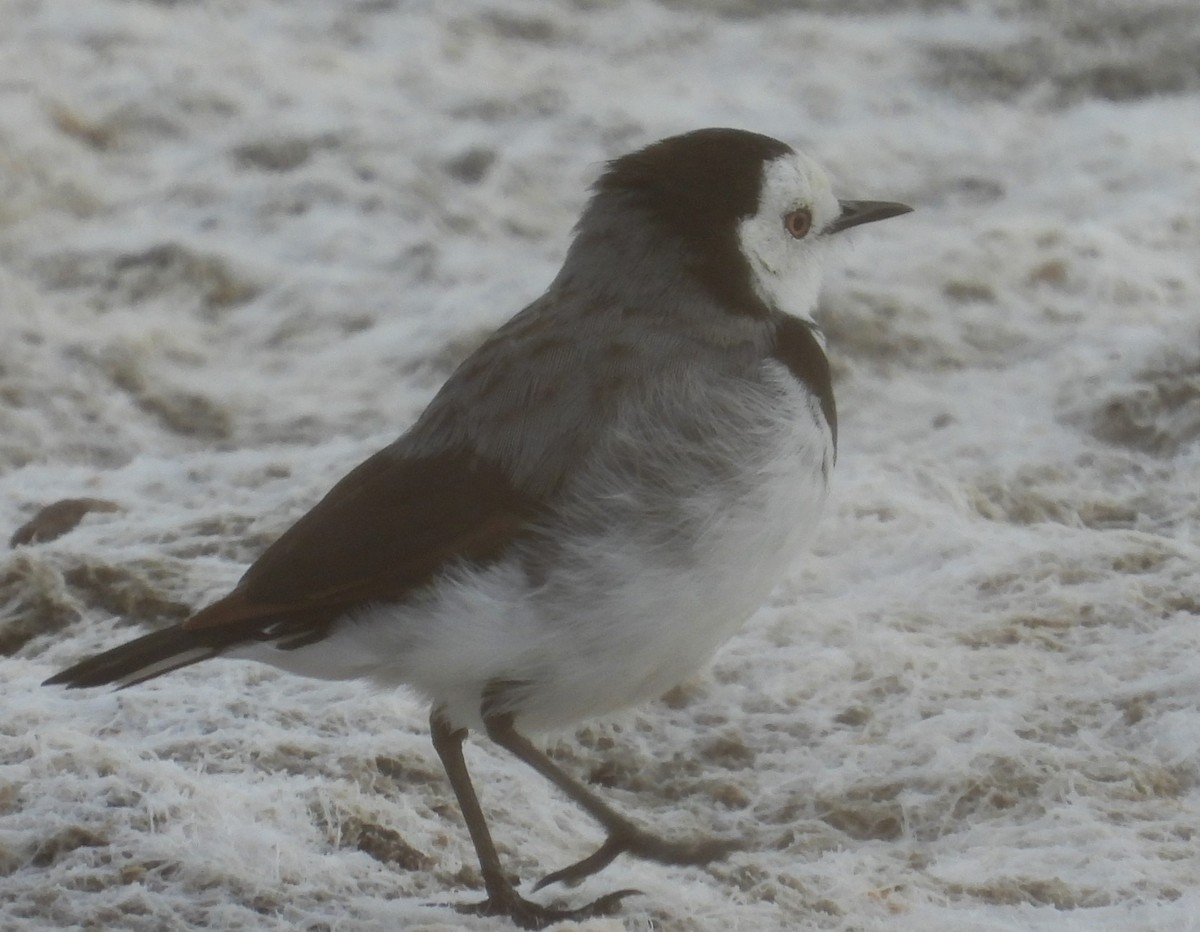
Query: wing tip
(141, 659)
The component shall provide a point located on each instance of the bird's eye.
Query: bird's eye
(798, 222)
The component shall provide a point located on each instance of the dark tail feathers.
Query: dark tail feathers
(144, 658)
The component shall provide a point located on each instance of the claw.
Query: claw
(530, 915)
(642, 845)
(593, 863)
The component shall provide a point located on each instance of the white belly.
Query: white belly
(649, 608)
(671, 559)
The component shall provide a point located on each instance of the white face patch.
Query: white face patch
(787, 271)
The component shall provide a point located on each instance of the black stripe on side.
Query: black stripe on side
(797, 347)
(695, 188)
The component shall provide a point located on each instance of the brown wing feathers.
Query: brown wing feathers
(389, 527)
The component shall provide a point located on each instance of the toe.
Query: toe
(592, 864)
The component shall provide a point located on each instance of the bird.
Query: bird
(597, 498)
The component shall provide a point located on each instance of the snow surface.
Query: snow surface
(241, 244)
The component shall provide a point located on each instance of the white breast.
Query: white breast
(673, 541)
(671, 600)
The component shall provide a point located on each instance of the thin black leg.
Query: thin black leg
(448, 743)
(502, 897)
(623, 835)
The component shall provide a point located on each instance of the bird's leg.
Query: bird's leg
(623, 835)
(448, 743)
(502, 897)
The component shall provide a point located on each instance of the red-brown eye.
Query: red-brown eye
(798, 222)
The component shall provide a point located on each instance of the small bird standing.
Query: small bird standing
(597, 498)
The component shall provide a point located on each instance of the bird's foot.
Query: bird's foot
(629, 840)
(530, 915)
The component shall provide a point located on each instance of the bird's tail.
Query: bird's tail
(143, 658)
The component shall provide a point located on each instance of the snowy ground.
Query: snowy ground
(242, 242)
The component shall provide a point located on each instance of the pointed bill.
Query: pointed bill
(858, 212)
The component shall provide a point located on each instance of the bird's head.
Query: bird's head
(753, 215)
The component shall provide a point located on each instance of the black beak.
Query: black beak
(856, 212)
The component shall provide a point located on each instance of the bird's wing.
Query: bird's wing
(457, 488)
(390, 526)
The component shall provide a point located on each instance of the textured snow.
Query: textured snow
(241, 244)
